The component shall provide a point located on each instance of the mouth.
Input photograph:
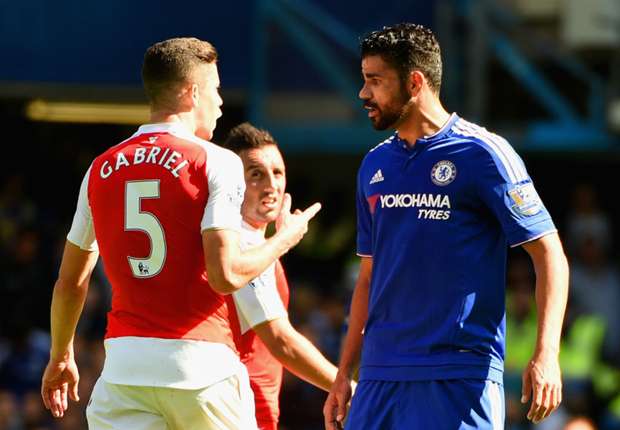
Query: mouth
(270, 203)
(372, 110)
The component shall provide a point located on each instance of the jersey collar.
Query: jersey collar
(426, 141)
(439, 134)
(176, 128)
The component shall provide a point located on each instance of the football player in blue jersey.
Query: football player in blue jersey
(438, 203)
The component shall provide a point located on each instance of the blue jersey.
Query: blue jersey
(437, 219)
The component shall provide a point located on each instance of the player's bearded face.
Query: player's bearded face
(265, 180)
(390, 113)
(384, 94)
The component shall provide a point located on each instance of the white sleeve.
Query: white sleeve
(82, 231)
(226, 190)
(259, 301)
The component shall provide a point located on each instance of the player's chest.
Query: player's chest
(427, 187)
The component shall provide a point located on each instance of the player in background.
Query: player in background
(263, 333)
(163, 210)
(438, 204)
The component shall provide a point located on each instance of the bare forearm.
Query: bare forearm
(551, 294)
(230, 268)
(67, 303)
(304, 360)
(250, 263)
(357, 321)
(551, 297)
(68, 297)
(354, 338)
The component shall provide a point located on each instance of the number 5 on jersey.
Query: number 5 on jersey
(137, 220)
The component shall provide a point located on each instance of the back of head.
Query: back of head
(407, 47)
(245, 136)
(169, 64)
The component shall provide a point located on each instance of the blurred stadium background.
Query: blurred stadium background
(543, 73)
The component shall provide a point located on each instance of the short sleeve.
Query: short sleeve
(508, 191)
(364, 220)
(259, 301)
(226, 190)
(82, 232)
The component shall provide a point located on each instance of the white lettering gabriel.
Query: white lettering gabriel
(170, 161)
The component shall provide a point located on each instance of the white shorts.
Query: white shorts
(225, 405)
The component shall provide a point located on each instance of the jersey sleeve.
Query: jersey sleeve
(82, 232)
(508, 191)
(259, 301)
(226, 190)
(364, 220)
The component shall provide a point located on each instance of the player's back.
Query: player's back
(148, 197)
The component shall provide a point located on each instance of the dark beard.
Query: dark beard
(386, 119)
(392, 114)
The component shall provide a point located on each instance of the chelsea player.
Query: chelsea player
(438, 204)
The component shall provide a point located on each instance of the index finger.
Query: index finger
(537, 402)
(44, 396)
(310, 212)
(286, 203)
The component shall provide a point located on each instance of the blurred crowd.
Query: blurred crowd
(31, 246)
(30, 251)
(590, 349)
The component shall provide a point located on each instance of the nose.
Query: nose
(364, 94)
(271, 182)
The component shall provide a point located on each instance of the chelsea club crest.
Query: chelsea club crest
(443, 173)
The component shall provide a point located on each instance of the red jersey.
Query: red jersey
(149, 199)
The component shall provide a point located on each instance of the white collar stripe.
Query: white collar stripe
(500, 148)
(506, 149)
(491, 147)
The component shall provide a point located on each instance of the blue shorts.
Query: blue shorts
(453, 404)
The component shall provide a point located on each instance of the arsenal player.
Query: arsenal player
(263, 333)
(163, 210)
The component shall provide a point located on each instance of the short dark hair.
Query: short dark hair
(170, 63)
(407, 47)
(246, 136)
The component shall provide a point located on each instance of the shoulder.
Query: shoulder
(490, 149)
(215, 152)
(384, 145)
(377, 153)
(220, 160)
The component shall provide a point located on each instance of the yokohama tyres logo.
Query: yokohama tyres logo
(415, 200)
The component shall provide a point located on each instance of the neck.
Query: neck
(183, 117)
(425, 119)
(257, 226)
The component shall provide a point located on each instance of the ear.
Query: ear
(188, 96)
(195, 94)
(417, 80)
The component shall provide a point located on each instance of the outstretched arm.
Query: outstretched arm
(230, 268)
(542, 382)
(61, 375)
(296, 353)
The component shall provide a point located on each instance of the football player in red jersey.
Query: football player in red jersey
(163, 210)
(263, 333)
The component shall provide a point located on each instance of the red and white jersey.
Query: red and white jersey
(265, 298)
(147, 200)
